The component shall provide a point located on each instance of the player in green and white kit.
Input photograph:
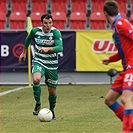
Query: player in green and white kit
(48, 42)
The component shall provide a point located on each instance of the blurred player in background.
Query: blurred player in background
(48, 42)
(123, 85)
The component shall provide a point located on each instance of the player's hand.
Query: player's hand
(22, 57)
(45, 50)
(105, 61)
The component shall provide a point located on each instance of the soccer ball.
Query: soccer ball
(45, 115)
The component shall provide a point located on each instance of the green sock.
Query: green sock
(37, 93)
(52, 102)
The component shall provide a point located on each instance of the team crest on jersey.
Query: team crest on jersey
(119, 22)
(129, 83)
(50, 38)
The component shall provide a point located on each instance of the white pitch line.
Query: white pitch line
(16, 89)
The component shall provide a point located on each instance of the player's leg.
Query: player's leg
(112, 96)
(37, 72)
(127, 96)
(52, 99)
(113, 104)
(52, 81)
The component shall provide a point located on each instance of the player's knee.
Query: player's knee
(108, 101)
(52, 91)
(36, 81)
(124, 100)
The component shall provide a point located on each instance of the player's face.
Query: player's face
(47, 24)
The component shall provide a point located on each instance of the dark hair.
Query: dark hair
(111, 7)
(46, 16)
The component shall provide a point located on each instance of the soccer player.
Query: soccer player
(123, 84)
(48, 42)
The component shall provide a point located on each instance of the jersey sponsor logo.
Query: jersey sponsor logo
(52, 81)
(103, 46)
(46, 41)
(40, 41)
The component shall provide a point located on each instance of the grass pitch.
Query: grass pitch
(79, 109)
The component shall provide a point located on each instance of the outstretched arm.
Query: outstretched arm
(112, 58)
(26, 44)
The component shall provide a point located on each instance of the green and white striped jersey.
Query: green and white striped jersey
(51, 39)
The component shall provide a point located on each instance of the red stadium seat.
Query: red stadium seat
(59, 20)
(97, 20)
(3, 4)
(36, 18)
(131, 5)
(97, 6)
(39, 5)
(2, 20)
(122, 5)
(19, 5)
(17, 20)
(131, 18)
(77, 20)
(79, 5)
(59, 6)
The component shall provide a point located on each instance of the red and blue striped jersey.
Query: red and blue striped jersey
(123, 39)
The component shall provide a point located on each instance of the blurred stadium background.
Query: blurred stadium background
(86, 38)
(66, 13)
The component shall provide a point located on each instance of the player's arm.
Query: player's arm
(113, 58)
(26, 44)
(131, 35)
(58, 41)
(58, 44)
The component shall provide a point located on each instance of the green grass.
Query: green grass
(80, 109)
